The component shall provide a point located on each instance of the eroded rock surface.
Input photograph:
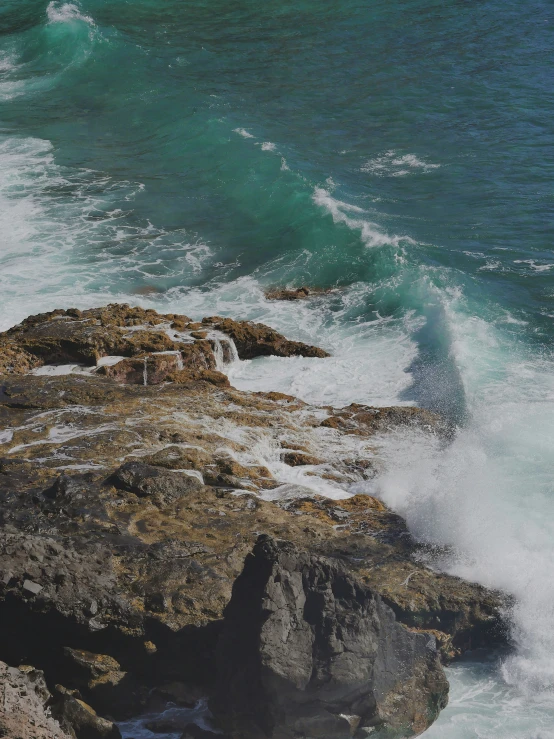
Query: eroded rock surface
(24, 712)
(127, 508)
(256, 340)
(307, 650)
(166, 343)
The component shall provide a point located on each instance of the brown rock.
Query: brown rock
(194, 378)
(149, 370)
(79, 719)
(140, 571)
(256, 340)
(299, 293)
(297, 459)
(198, 356)
(361, 419)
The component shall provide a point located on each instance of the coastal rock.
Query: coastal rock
(79, 719)
(151, 369)
(307, 650)
(127, 512)
(362, 419)
(298, 293)
(256, 340)
(62, 336)
(160, 485)
(166, 343)
(299, 459)
(24, 712)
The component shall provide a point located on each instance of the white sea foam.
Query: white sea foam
(243, 132)
(489, 496)
(369, 359)
(47, 239)
(61, 12)
(268, 146)
(356, 218)
(534, 266)
(391, 164)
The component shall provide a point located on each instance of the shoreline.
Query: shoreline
(169, 480)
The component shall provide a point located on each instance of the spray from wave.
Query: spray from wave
(60, 12)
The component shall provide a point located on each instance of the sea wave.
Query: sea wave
(392, 164)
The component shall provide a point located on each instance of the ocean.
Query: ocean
(187, 156)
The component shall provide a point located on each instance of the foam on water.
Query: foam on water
(392, 164)
(489, 496)
(369, 358)
(61, 12)
(355, 217)
(52, 220)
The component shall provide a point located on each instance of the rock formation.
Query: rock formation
(307, 650)
(129, 503)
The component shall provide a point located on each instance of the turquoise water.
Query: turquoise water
(186, 155)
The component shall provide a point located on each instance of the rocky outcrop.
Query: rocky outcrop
(29, 711)
(155, 345)
(79, 719)
(24, 699)
(362, 419)
(127, 511)
(256, 340)
(307, 650)
(298, 293)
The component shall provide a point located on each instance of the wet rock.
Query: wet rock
(305, 644)
(59, 339)
(149, 370)
(256, 340)
(298, 459)
(193, 378)
(174, 457)
(136, 560)
(24, 712)
(179, 693)
(16, 361)
(198, 356)
(361, 419)
(79, 719)
(299, 293)
(146, 481)
(101, 681)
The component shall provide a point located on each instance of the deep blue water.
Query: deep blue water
(186, 155)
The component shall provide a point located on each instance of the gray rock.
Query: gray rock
(308, 651)
(23, 701)
(32, 587)
(163, 486)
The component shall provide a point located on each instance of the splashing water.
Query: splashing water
(187, 160)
